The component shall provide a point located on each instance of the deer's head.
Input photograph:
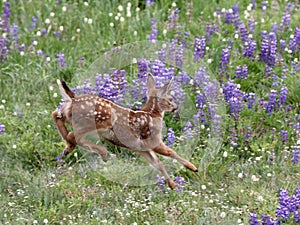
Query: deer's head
(160, 96)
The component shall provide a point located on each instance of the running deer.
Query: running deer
(139, 131)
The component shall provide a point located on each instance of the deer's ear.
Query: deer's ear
(164, 90)
(150, 82)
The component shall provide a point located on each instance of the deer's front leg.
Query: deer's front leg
(164, 150)
(157, 164)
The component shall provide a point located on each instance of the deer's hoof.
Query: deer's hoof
(58, 158)
(172, 184)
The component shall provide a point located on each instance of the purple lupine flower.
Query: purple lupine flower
(142, 68)
(248, 48)
(200, 117)
(215, 119)
(18, 113)
(264, 5)
(283, 95)
(266, 220)
(180, 181)
(297, 36)
(296, 66)
(282, 44)
(183, 78)
(295, 155)
(275, 80)
(81, 61)
(210, 30)
(268, 49)
(171, 51)
(234, 138)
(253, 219)
(245, 71)
(248, 133)
(158, 69)
(200, 77)
(224, 61)
(253, 4)
(250, 99)
(2, 129)
(284, 136)
(274, 27)
(170, 137)
(6, 13)
(238, 72)
(179, 55)
(21, 48)
(3, 49)
(86, 88)
(153, 36)
(243, 33)
(237, 21)
(268, 70)
(44, 32)
(263, 34)
(149, 2)
(162, 55)
(200, 100)
(199, 48)
(288, 206)
(173, 18)
(286, 18)
(34, 22)
(273, 48)
(14, 30)
(286, 21)
(111, 87)
(57, 34)
(39, 52)
(187, 130)
(234, 97)
(297, 125)
(61, 59)
(251, 25)
(282, 212)
(270, 106)
(236, 8)
(160, 183)
(229, 16)
(294, 43)
(241, 72)
(284, 71)
(179, 95)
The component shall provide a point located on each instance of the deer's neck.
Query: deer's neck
(152, 107)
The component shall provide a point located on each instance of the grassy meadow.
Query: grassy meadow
(236, 67)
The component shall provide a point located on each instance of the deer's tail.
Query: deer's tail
(65, 91)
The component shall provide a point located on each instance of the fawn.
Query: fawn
(139, 131)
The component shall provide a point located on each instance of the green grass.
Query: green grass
(34, 189)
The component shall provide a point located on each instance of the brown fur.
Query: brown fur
(139, 131)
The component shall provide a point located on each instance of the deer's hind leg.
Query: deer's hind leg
(164, 150)
(64, 133)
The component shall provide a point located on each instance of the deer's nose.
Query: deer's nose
(175, 108)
